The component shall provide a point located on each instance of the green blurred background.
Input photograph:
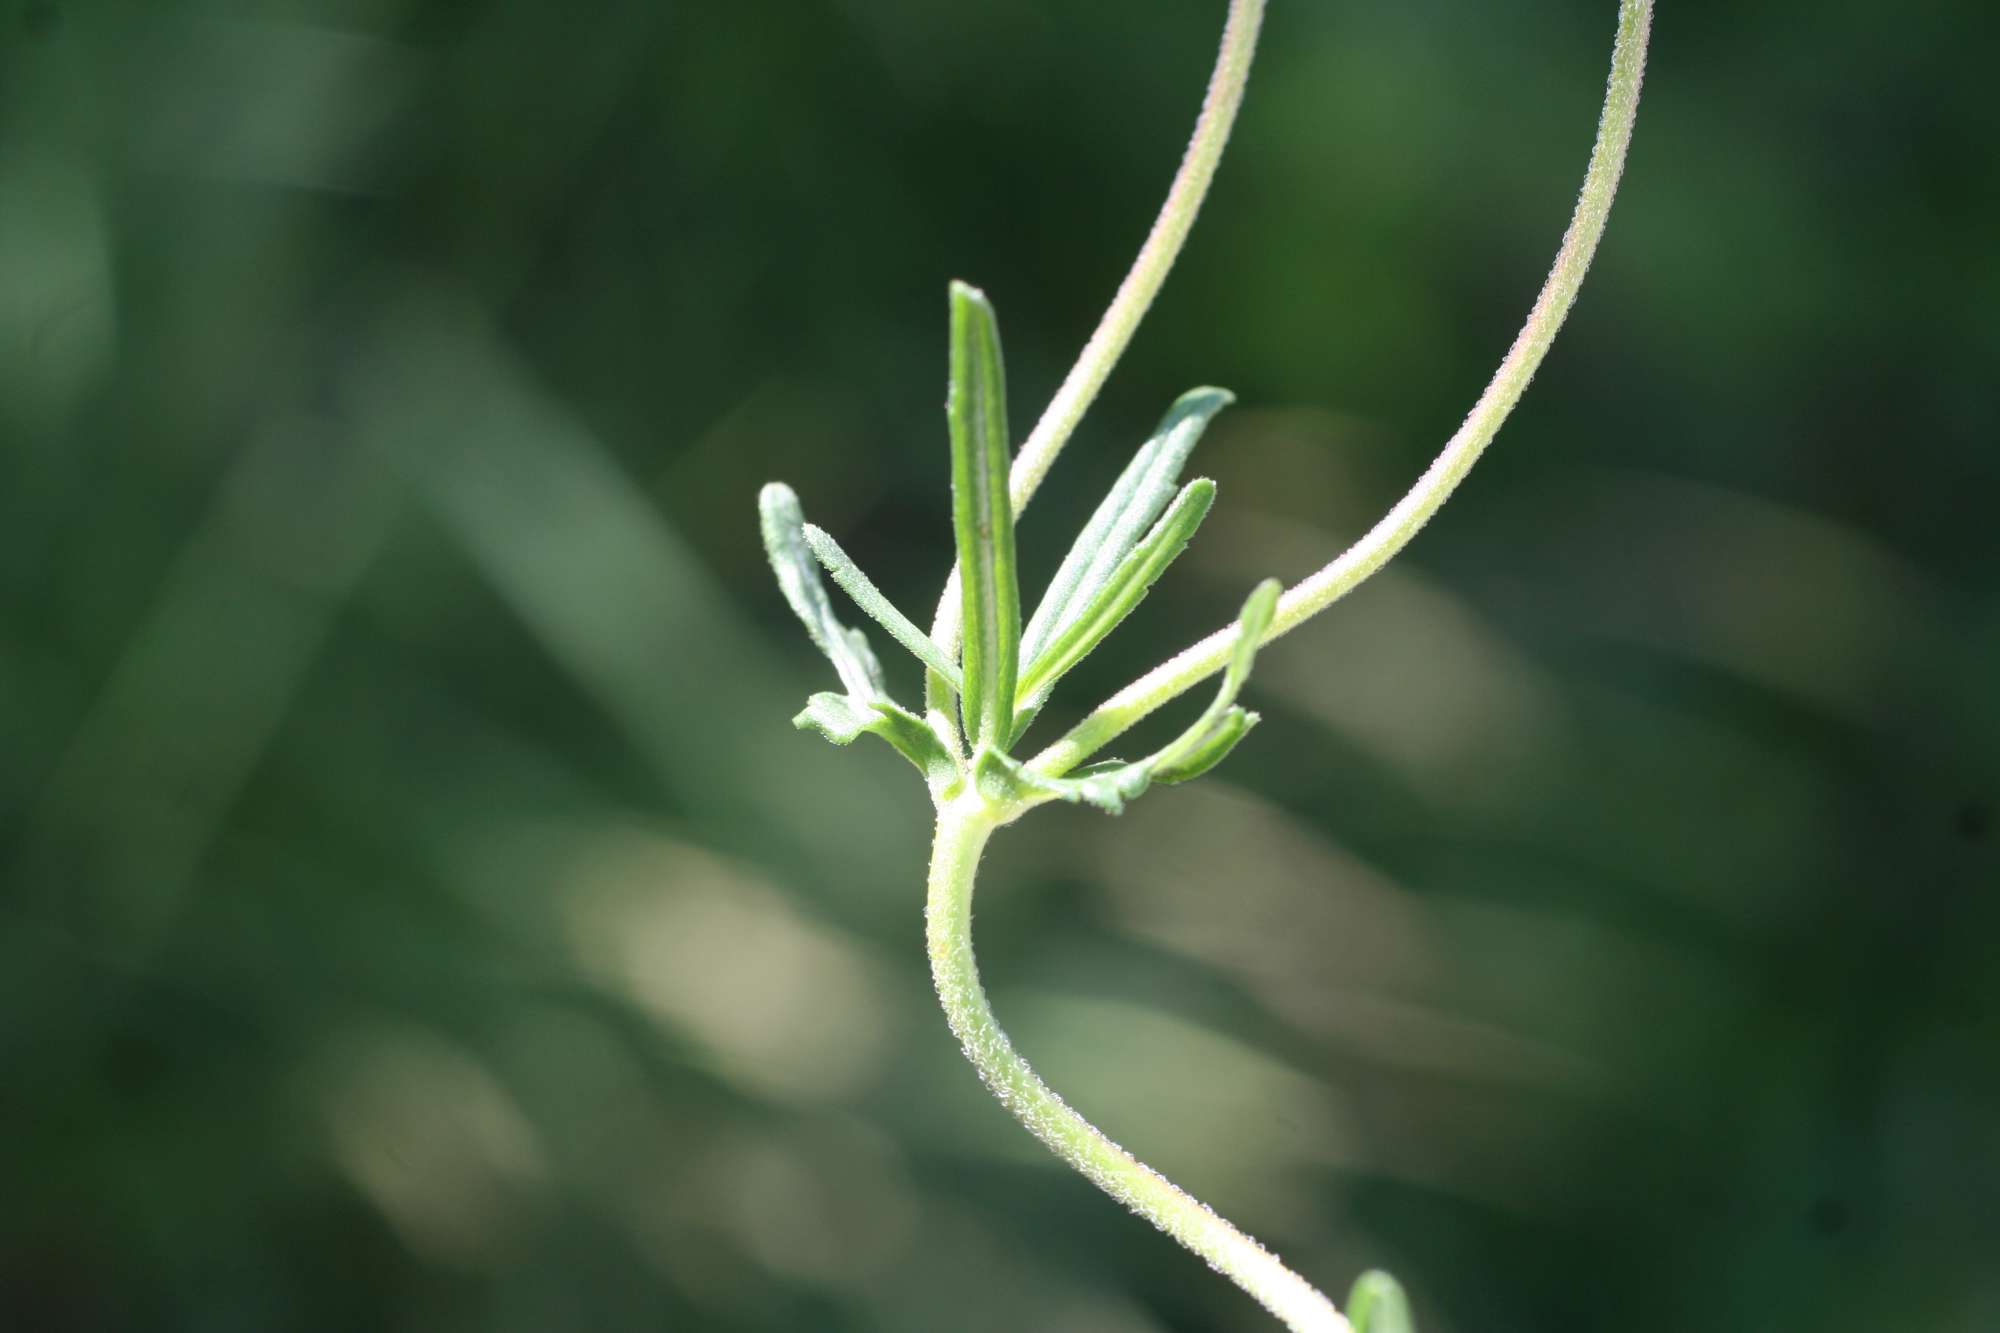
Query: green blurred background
(420, 915)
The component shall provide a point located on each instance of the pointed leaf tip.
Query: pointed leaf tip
(1377, 1305)
(783, 525)
(1202, 401)
(1259, 609)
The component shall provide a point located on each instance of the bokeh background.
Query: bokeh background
(419, 913)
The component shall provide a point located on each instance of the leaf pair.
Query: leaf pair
(1118, 557)
(866, 707)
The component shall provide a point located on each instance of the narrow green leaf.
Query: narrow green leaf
(1117, 596)
(1252, 623)
(1133, 502)
(1110, 784)
(1235, 725)
(983, 520)
(870, 599)
(1377, 1305)
(798, 577)
(841, 718)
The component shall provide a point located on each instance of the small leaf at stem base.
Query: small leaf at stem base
(841, 718)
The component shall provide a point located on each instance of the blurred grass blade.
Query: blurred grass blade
(798, 575)
(1117, 596)
(870, 599)
(983, 519)
(1109, 785)
(1134, 501)
(1377, 1305)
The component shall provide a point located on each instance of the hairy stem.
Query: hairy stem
(1135, 295)
(1156, 257)
(1395, 529)
(963, 827)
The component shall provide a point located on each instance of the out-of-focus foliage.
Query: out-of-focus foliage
(411, 917)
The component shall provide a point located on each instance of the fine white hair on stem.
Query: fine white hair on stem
(1395, 529)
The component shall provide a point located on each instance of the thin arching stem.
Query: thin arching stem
(1135, 295)
(1156, 257)
(1395, 529)
(963, 828)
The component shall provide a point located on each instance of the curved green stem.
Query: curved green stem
(963, 827)
(1142, 283)
(1395, 529)
(1156, 258)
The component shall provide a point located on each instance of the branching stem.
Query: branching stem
(1395, 529)
(968, 817)
(964, 825)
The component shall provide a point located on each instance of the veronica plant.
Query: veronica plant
(988, 672)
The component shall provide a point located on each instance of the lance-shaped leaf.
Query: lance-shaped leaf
(1109, 785)
(983, 520)
(1377, 1305)
(842, 717)
(798, 577)
(1141, 492)
(864, 708)
(1114, 599)
(1208, 752)
(870, 599)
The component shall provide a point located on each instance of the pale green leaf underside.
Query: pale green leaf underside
(1134, 501)
(841, 718)
(869, 598)
(983, 520)
(865, 707)
(798, 576)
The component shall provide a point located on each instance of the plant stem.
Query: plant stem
(1395, 529)
(1156, 258)
(964, 825)
(1142, 283)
